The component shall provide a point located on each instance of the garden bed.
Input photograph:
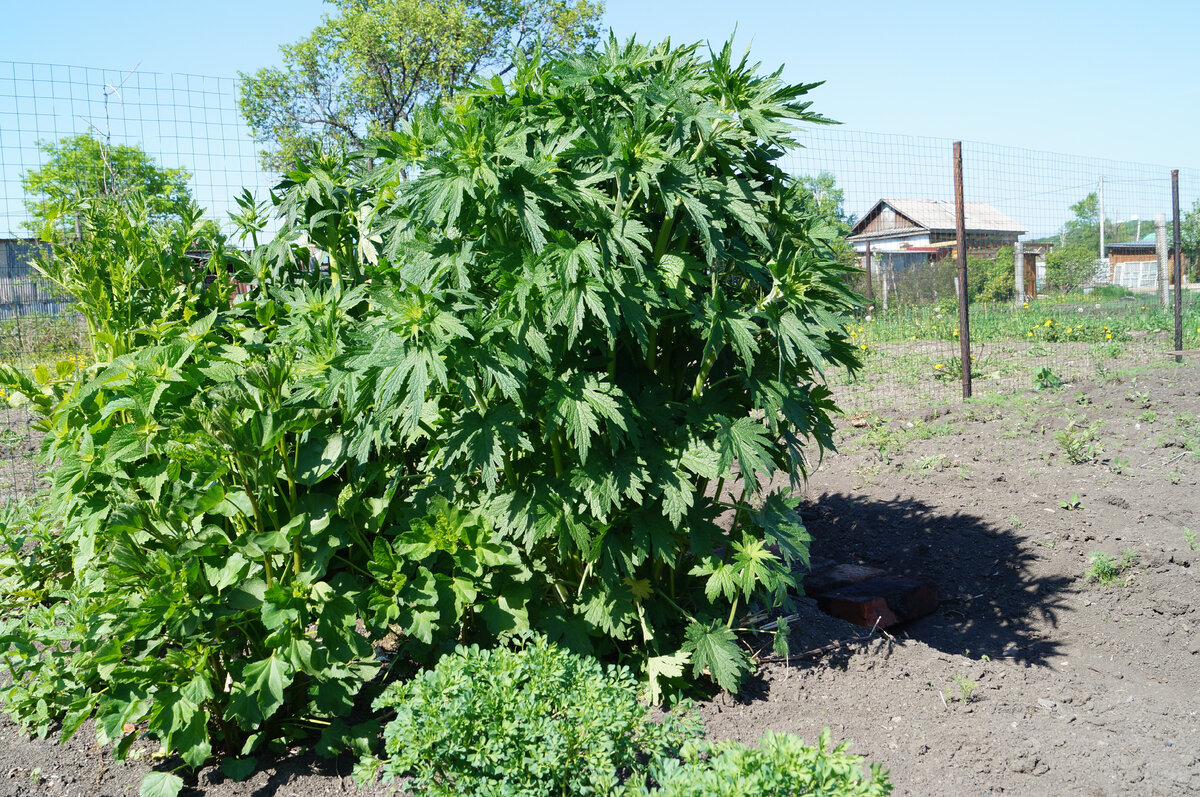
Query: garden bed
(1028, 679)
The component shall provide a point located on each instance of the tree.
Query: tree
(828, 201)
(823, 198)
(1083, 231)
(1189, 231)
(363, 71)
(81, 168)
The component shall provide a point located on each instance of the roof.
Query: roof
(1132, 246)
(938, 216)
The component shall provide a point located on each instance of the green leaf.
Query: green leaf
(238, 769)
(664, 668)
(714, 648)
(160, 784)
(319, 458)
(259, 692)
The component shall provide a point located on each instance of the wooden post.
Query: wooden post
(867, 268)
(964, 317)
(1160, 254)
(1177, 242)
(1018, 273)
(883, 282)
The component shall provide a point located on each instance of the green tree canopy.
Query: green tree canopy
(364, 70)
(81, 168)
(827, 200)
(1189, 231)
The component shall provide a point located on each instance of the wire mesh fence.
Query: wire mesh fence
(1053, 292)
(1054, 295)
(52, 119)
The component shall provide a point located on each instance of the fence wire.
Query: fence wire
(187, 122)
(1071, 314)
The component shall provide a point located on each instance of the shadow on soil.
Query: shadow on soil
(991, 602)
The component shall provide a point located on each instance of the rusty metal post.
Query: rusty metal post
(1178, 265)
(867, 267)
(964, 316)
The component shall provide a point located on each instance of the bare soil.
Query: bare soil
(1079, 688)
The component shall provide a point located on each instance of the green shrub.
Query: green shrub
(540, 721)
(780, 766)
(502, 404)
(1111, 292)
(1071, 267)
(129, 269)
(533, 721)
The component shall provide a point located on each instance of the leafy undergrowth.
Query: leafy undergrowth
(538, 721)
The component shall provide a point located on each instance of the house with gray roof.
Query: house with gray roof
(919, 230)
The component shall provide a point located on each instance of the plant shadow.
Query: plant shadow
(991, 603)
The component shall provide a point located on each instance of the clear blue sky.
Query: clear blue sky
(1111, 80)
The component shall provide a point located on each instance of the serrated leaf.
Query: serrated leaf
(714, 648)
(664, 668)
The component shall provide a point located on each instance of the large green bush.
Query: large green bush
(558, 380)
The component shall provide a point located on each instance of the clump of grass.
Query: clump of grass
(1107, 570)
(1189, 537)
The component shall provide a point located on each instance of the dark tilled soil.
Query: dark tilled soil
(1079, 689)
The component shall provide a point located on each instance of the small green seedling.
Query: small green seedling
(1072, 504)
(1106, 570)
(1046, 379)
(966, 689)
(1189, 537)
(1119, 465)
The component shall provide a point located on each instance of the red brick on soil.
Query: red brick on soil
(888, 599)
(835, 577)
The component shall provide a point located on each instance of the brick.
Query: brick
(891, 599)
(835, 577)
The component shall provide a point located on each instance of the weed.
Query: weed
(1189, 537)
(1106, 569)
(932, 462)
(966, 689)
(1015, 522)
(1072, 504)
(1149, 416)
(1119, 465)
(1141, 398)
(1175, 476)
(1080, 443)
(1046, 379)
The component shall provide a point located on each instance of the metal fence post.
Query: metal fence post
(964, 316)
(1178, 244)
